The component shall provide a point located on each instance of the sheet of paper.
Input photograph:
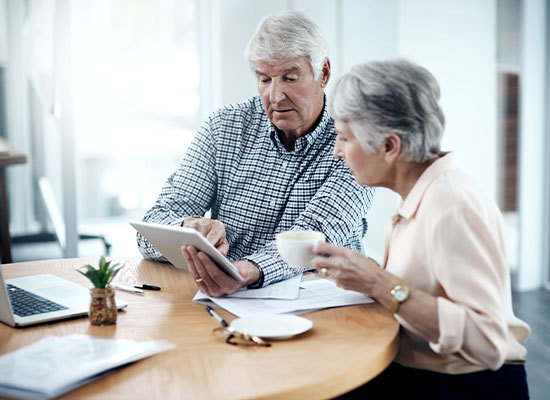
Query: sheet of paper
(55, 365)
(313, 295)
(287, 289)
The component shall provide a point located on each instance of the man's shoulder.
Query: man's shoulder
(236, 120)
(245, 111)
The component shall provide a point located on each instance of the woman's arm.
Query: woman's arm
(354, 271)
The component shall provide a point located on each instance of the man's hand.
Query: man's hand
(211, 280)
(212, 229)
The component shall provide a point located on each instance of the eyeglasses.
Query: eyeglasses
(237, 338)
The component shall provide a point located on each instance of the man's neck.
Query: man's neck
(288, 139)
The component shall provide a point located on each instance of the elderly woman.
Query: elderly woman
(445, 276)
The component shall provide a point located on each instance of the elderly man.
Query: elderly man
(265, 166)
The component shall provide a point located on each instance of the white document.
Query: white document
(287, 289)
(56, 365)
(313, 295)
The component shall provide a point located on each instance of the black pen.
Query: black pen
(146, 286)
(216, 315)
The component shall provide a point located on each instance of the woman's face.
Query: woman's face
(367, 168)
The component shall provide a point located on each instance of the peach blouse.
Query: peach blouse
(446, 239)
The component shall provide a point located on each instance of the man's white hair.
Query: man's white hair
(288, 35)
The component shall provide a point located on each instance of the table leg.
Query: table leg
(5, 241)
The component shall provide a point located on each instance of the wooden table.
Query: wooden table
(346, 347)
(6, 158)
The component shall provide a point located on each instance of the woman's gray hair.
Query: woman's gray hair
(398, 96)
(287, 35)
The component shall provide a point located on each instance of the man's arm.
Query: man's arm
(338, 209)
(188, 192)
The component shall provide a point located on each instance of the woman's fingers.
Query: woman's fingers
(328, 249)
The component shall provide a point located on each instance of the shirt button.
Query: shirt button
(272, 203)
(285, 164)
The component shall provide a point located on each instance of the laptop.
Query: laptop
(41, 298)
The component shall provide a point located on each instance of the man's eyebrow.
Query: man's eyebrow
(291, 69)
(294, 68)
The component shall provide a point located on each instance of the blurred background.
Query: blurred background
(104, 96)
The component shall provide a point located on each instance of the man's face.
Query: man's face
(291, 97)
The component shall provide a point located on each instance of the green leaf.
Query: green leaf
(101, 276)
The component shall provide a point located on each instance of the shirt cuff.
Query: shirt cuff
(260, 282)
(452, 322)
(272, 267)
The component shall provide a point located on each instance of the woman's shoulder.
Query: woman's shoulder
(456, 190)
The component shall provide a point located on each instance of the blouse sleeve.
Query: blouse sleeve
(470, 265)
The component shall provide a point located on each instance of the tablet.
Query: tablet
(168, 240)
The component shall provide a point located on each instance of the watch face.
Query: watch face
(400, 294)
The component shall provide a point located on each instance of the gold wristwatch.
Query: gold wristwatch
(399, 294)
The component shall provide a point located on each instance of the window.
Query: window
(136, 100)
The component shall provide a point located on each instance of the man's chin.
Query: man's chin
(284, 124)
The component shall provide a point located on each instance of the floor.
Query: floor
(533, 307)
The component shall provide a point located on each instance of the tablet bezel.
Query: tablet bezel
(168, 240)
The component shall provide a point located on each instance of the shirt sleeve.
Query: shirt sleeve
(470, 265)
(338, 209)
(188, 192)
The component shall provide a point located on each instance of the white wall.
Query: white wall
(456, 41)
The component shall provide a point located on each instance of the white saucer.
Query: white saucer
(278, 326)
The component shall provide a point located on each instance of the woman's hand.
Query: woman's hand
(349, 269)
(354, 271)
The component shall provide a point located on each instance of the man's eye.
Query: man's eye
(265, 80)
(291, 79)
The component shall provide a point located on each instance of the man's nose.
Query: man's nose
(276, 92)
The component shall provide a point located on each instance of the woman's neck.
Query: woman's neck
(407, 175)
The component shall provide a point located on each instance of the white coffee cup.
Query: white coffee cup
(295, 247)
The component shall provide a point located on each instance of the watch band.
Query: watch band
(394, 306)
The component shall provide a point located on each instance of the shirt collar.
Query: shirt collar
(303, 142)
(408, 207)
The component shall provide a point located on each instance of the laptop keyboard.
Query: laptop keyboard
(25, 303)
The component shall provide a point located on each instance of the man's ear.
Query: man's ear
(324, 76)
(392, 147)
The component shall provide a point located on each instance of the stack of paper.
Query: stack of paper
(56, 365)
(308, 295)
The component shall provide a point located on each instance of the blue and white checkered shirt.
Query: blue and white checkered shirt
(237, 167)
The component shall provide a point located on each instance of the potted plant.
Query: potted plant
(103, 308)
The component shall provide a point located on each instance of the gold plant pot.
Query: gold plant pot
(103, 307)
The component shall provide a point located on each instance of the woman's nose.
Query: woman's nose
(337, 152)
